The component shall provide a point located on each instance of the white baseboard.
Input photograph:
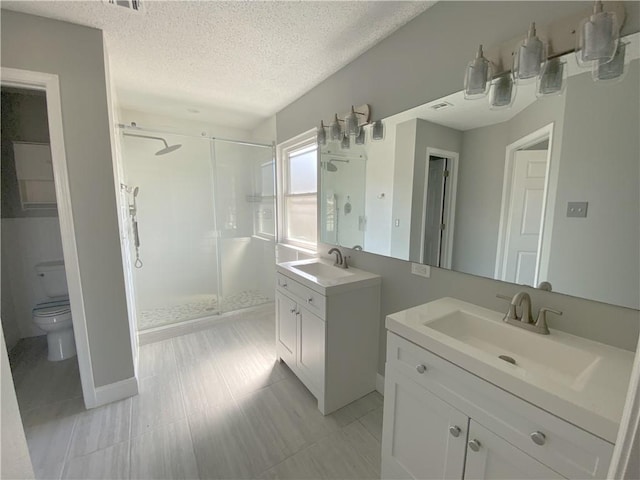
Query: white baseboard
(380, 384)
(115, 391)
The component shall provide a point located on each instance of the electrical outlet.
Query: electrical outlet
(421, 270)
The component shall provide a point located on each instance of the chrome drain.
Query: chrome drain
(507, 359)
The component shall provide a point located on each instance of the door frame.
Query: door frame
(50, 84)
(548, 204)
(446, 255)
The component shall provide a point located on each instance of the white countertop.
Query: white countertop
(594, 404)
(356, 279)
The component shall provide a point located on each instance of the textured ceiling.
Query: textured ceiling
(236, 62)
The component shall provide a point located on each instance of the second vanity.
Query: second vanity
(549, 408)
(327, 329)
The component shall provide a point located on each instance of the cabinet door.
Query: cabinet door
(311, 347)
(490, 456)
(423, 436)
(286, 328)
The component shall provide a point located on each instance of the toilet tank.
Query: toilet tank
(52, 278)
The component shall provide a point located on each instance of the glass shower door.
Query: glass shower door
(177, 278)
(245, 212)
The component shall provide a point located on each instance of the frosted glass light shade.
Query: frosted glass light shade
(377, 131)
(360, 137)
(613, 70)
(335, 130)
(553, 78)
(597, 37)
(477, 78)
(346, 142)
(527, 62)
(351, 124)
(321, 134)
(503, 92)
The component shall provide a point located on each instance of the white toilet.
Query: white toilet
(54, 315)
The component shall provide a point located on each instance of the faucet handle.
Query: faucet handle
(512, 314)
(541, 322)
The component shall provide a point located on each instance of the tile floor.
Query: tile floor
(198, 306)
(213, 404)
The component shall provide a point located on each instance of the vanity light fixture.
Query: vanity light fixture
(335, 129)
(477, 78)
(527, 61)
(377, 132)
(598, 36)
(321, 134)
(613, 70)
(346, 142)
(360, 137)
(553, 78)
(503, 92)
(352, 124)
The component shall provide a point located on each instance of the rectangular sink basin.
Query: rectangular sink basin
(535, 353)
(322, 270)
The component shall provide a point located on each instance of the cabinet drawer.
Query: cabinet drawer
(565, 448)
(303, 295)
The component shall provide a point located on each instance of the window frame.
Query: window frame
(297, 145)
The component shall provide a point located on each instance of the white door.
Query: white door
(491, 457)
(286, 328)
(524, 221)
(417, 442)
(311, 347)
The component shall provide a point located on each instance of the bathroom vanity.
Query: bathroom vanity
(327, 329)
(550, 408)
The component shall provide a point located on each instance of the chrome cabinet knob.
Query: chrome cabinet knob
(454, 430)
(310, 300)
(538, 438)
(284, 285)
(421, 368)
(293, 310)
(474, 445)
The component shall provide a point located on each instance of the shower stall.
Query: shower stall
(200, 219)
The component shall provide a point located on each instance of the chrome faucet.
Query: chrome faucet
(341, 261)
(525, 320)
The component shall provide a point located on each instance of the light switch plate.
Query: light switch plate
(421, 270)
(577, 209)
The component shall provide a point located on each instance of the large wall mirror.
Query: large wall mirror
(545, 191)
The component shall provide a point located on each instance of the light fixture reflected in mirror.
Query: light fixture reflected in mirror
(477, 78)
(503, 92)
(598, 36)
(553, 78)
(612, 71)
(346, 142)
(360, 137)
(336, 131)
(321, 135)
(527, 61)
(377, 131)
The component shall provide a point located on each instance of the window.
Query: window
(299, 183)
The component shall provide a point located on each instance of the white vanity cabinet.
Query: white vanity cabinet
(330, 341)
(441, 421)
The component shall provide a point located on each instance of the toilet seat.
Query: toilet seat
(52, 312)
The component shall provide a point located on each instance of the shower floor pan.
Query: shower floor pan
(198, 307)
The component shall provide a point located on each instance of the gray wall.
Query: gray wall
(420, 62)
(75, 54)
(605, 262)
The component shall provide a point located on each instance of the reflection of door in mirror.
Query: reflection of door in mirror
(523, 210)
(434, 210)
